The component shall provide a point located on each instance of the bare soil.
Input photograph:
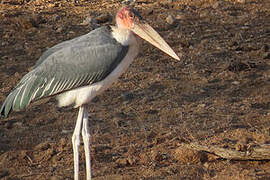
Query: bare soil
(218, 94)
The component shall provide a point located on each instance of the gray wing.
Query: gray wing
(93, 38)
(66, 66)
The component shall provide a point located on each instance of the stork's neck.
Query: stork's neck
(124, 36)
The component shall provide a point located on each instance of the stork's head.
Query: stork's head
(128, 18)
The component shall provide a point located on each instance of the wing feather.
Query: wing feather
(66, 66)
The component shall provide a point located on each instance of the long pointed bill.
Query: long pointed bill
(146, 32)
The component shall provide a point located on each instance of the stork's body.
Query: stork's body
(79, 69)
(128, 48)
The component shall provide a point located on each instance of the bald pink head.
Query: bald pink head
(128, 18)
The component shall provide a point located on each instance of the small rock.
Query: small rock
(50, 5)
(235, 82)
(202, 90)
(7, 35)
(170, 19)
(4, 43)
(71, 32)
(202, 105)
(65, 131)
(59, 29)
(217, 5)
(240, 147)
(122, 162)
(206, 165)
(180, 16)
(241, 1)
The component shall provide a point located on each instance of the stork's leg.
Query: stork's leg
(86, 140)
(76, 142)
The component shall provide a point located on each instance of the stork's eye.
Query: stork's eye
(132, 16)
(136, 14)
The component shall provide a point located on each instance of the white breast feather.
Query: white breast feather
(84, 95)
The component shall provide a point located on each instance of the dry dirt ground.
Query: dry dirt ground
(217, 95)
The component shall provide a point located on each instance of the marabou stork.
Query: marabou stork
(79, 69)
